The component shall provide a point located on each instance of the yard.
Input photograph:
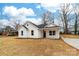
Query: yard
(12, 46)
(70, 36)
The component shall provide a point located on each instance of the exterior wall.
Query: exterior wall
(40, 34)
(37, 33)
(56, 36)
(30, 28)
(24, 32)
(27, 33)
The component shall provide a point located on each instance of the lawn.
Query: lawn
(70, 36)
(12, 46)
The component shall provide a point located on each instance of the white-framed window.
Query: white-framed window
(52, 33)
(22, 33)
(32, 32)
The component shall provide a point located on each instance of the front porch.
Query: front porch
(50, 33)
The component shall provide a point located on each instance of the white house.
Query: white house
(31, 30)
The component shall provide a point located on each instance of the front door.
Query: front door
(44, 34)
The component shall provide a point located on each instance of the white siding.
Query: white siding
(37, 33)
(56, 36)
(40, 34)
(35, 29)
(25, 32)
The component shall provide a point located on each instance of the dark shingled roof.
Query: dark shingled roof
(41, 25)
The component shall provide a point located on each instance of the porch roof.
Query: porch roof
(48, 28)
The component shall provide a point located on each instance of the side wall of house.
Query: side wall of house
(25, 32)
(37, 33)
(56, 36)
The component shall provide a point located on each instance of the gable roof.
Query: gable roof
(41, 25)
(51, 25)
(30, 22)
(24, 26)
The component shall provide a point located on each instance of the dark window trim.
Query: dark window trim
(22, 33)
(52, 33)
(32, 32)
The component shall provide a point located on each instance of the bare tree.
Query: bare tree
(48, 17)
(44, 15)
(15, 23)
(64, 14)
(76, 13)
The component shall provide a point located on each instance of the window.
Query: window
(53, 32)
(32, 32)
(50, 32)
(21, 32)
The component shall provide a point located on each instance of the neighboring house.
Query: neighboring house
(31, 30)
(9, 31)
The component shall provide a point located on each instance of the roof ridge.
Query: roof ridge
(31, 23)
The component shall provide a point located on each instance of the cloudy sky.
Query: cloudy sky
(21, 12)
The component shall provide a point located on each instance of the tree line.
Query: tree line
(68, 15)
